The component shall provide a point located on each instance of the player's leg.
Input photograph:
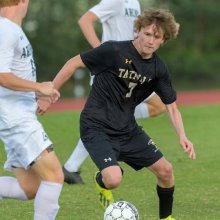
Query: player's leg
(109, 174)
(165, 187)
(42, 181)
(49, 170)
(155, 105)
(71, 167)
(109, 178)
(150, 107)
(14, 140)
(11, 189)
(145, 153)
(30, 156)
(28, 180)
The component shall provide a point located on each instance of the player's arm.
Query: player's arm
(67, 71)
(11, 81)
(63, 75)
(177, 122)
(86, 23)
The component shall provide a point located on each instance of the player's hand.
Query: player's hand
(53, 98)
(43, 105)
(46, 89)
(188, 147)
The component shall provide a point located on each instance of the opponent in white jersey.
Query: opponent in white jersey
(30, 154)
(117, 18)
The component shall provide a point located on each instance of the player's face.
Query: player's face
(149, 40)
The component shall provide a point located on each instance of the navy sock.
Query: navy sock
(99, 180)
(165, 201)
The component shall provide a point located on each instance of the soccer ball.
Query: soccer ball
(121, 210)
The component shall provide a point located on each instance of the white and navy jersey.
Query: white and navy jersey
(16, 56)
(117, 18)
(123, 79)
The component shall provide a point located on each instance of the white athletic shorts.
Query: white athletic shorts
(24, 142)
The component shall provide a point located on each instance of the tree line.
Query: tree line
(192, 58)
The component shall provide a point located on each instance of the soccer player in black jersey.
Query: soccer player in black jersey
(126, 73)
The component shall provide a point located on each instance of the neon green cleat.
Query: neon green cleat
(168, 218)
(105, 195)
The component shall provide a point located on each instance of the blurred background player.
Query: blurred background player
(117, 18)
(30, 154)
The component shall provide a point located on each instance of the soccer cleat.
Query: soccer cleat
(105, 195)
(72, 177)
(169, 218)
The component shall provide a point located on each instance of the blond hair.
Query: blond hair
(6, 3)
(161, 18)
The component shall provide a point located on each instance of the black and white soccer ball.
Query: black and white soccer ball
(121, 210)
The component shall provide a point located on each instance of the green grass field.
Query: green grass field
(197, 192)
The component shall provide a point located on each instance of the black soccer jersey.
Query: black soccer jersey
(123, 79)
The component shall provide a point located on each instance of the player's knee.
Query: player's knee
(56, 176)
(52, 172)
(167, 173)
(55, 173)
(112, 181)
(59, 175)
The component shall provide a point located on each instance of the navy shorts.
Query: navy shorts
(137, 151)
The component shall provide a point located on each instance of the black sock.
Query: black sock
(165, 201)
(99, 180)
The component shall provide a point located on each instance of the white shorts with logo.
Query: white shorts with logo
(24, 142)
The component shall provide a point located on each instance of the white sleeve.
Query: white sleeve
(8, 41)
(107, 8)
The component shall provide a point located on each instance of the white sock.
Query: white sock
(10, 188)
(46, 204)
(77, 157)
(141, 111)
